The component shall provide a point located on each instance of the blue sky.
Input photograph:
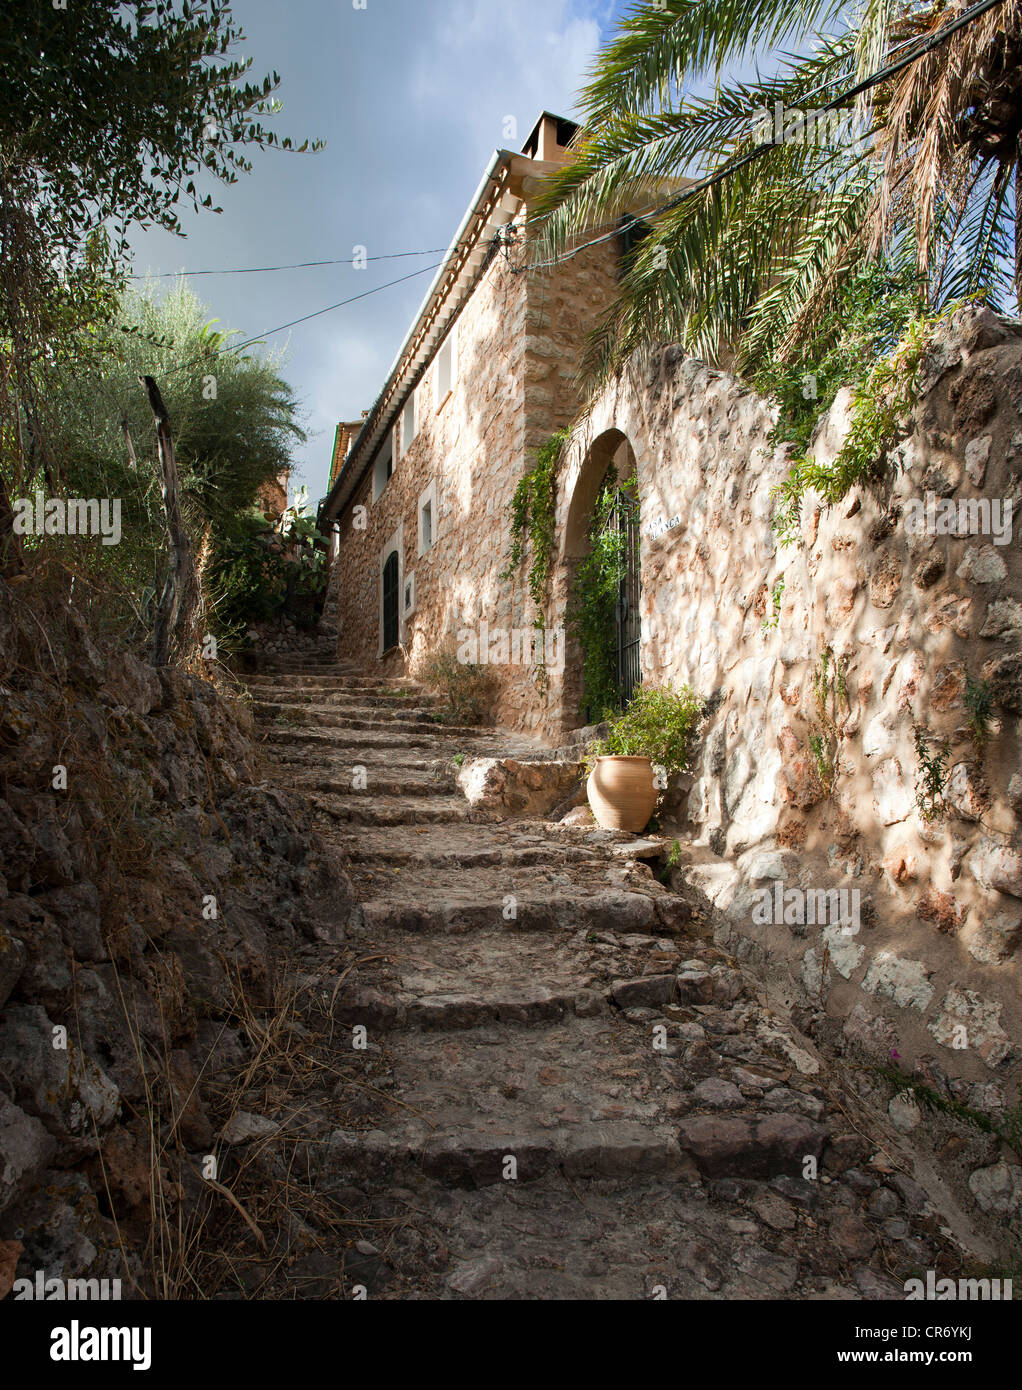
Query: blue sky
(411, 97)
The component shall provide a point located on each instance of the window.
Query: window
(427, 511)
(409, 424)
(446, 370)
(383, 469)
(391, 615)
(409, 598)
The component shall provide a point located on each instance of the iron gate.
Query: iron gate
(624, 519)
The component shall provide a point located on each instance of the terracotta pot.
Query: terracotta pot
(621, 792)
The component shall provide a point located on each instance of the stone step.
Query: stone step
(358, 851)
(301, 717)
(410, 905)
(411, 981)
(393, 811)
(378, 784)
(471, 1157)
(312, 663)
(448, 983)
(589, 1240)
(298, 680)
(320, 743)
(517, 841)
(341, 699)
(574, 1094)
(343, 716)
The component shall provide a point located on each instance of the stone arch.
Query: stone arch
(594, 446)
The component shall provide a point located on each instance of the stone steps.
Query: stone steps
(656, 1116)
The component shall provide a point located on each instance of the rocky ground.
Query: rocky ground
(571, 1092)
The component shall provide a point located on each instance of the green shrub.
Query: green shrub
(532, 512)
(658, 724)
(881, 404)
(464, 687)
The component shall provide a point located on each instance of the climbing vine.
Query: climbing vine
(595, 596)
(532, 514)
(880, 404)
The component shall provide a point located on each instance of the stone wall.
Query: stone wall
(904, 619)
(518, 342)
(152, 890)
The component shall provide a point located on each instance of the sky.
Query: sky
(411, 97)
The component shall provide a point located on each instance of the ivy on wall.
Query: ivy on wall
(532, 515)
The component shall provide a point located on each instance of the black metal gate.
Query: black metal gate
(624, 519)
(391, 625)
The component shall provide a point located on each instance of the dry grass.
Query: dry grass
(250, 1231)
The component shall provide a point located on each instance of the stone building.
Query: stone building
(420, 488)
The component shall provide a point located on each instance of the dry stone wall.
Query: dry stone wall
(821, 663)
(152, 890)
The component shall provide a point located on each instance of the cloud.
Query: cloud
(411, 97)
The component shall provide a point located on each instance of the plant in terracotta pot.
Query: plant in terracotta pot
(655, 730)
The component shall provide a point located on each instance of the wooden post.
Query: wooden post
(132, 464)
(180, 596)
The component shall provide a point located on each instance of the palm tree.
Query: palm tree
(948, 143)
(746, 262)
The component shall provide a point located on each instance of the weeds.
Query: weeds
(932, 775)
(980, 704)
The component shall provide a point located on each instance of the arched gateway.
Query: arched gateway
(599, 573)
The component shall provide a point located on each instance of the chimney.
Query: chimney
(550, 138)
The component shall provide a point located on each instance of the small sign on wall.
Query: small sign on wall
(658, 528)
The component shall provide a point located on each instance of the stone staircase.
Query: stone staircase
(583, 1097)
